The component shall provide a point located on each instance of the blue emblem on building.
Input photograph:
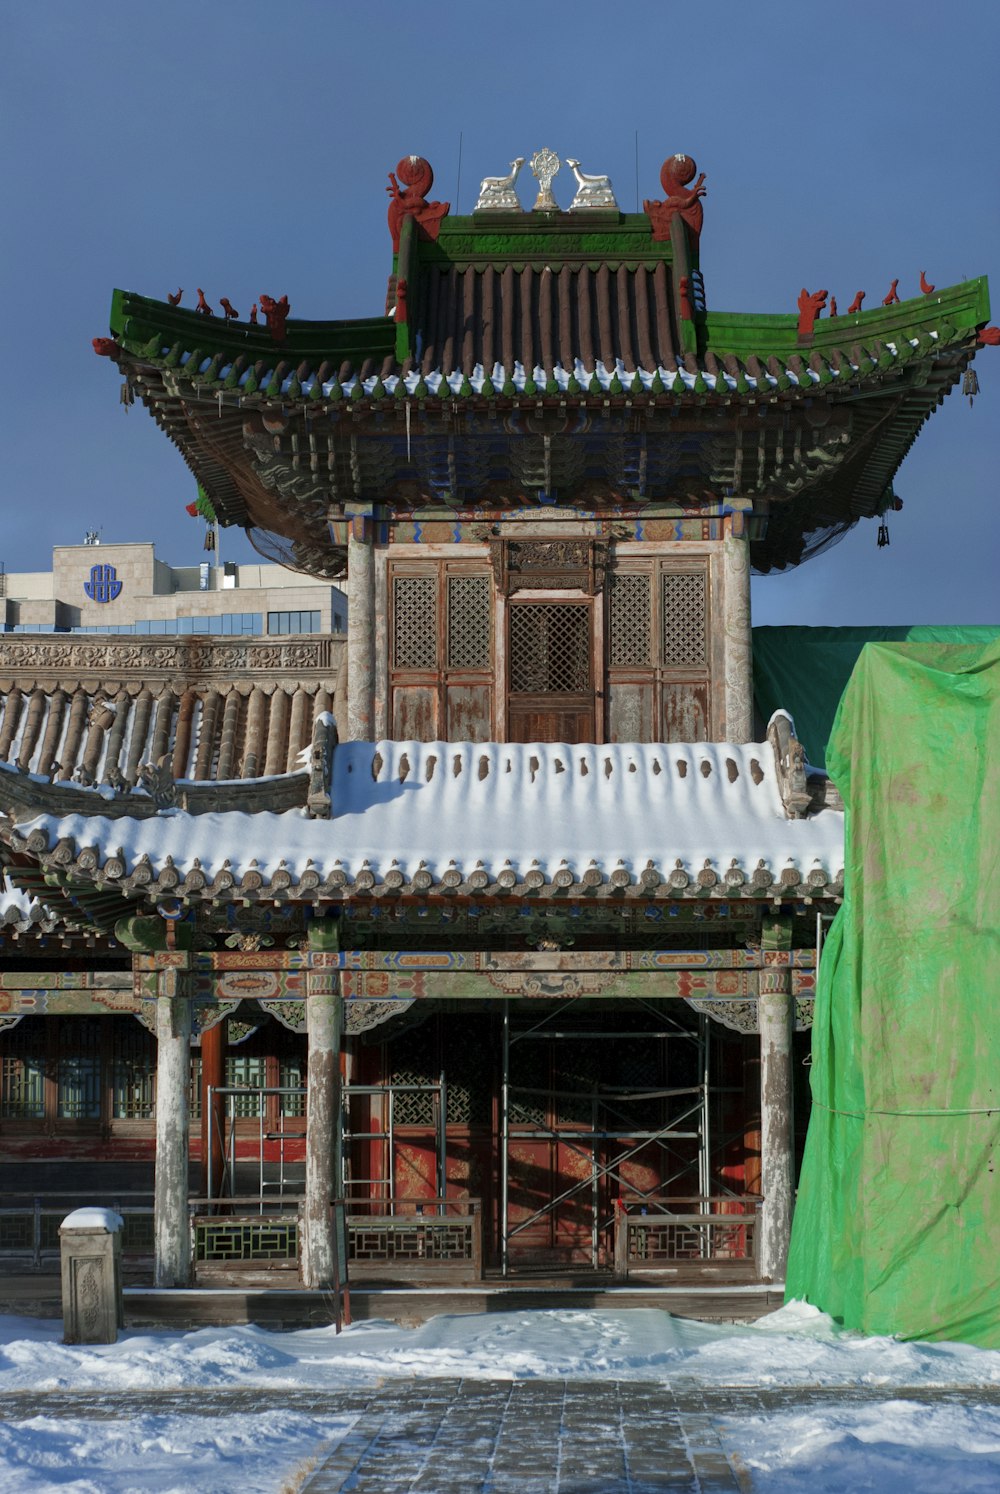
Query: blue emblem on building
(103, 585)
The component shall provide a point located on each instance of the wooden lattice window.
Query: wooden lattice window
(79, 1068)
(683, 620)
(414, 622)
(133, 1065)
(549, 648)
(22, 1071)
(468, 622)
(631, 634)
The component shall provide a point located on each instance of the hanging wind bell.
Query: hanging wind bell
(126, 395)
(970, 384)
(883, 535)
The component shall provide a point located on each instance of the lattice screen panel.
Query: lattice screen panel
(683, 601)
(468, 622)
(631, 634)
(414, 622)
(549, 648)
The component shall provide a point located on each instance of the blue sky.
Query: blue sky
(244, 147)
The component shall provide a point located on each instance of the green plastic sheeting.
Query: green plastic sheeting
(897, 1224)
(805, 670)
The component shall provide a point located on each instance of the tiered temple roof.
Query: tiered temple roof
(557, 358)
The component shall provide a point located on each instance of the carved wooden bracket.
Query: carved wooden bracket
(549, 564)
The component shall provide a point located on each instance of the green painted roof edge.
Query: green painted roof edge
(527, 238)
(962, 307)
(137, 319)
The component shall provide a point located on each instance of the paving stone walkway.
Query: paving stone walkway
(507, 1436)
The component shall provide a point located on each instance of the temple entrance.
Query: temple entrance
(550, 651)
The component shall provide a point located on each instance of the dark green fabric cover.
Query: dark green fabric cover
(804, 670)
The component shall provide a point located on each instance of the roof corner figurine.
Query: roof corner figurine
(410, 199)
(496, 193)
(591, 191)
(675, 174)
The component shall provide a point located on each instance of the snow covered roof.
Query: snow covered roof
(21, 911)
(664, 820)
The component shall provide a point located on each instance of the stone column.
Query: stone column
(323, 1019)
(173, 1077)
(775, 1014)
(360, 629)
(736, 629)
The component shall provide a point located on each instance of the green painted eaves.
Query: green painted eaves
(137, 320)
(960, 308)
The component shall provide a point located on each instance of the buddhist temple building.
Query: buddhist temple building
(499, 917)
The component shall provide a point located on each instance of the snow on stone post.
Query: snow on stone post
(323, 1018)
(171, 1225)
(90, 1251)
(775, 1011)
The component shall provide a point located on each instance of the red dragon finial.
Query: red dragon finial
(811, 303)
(410, 199)
(675, 174)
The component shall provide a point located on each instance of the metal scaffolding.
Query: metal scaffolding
(687, 1119)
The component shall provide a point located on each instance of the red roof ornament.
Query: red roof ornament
(203, 305)
(989, 337)
(855, 305)
(105, 347)
(410, 199)
(675, 174)
(925, 286)
(275, 314)
(892, 298)
(228, 310)
(175, 300)
(811, 303)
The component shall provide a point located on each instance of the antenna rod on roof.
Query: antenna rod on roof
(458, 184)
(637, 170)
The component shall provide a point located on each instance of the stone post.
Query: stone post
(360, 629)
(91, 1264)
(777, 1163)
(172, 1234)
(736, 630)
(323, 1021)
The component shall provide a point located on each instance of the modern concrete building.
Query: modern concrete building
(125, 588)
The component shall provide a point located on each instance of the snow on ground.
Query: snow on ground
(244, 1454)
(796, 1346)
(882, 1442)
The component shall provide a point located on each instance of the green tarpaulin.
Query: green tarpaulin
(897, 1224)
(805, 670)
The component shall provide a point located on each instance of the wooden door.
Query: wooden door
(550, 664)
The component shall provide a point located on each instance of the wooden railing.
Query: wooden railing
(405, 1238)
(654, 1233)
(29, 1224)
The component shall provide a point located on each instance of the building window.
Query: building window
(22, 1072)
(246, 1073)
(293, 622)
